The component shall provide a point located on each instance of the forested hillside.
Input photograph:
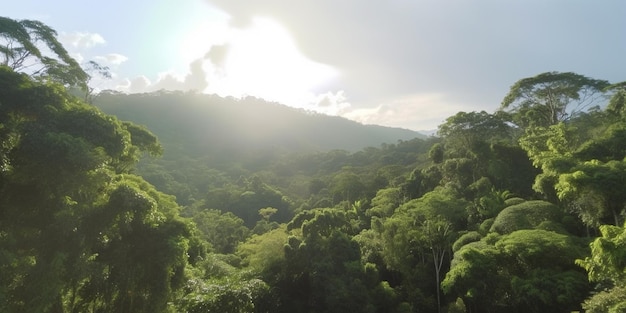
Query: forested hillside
(210, 141)
(517, 210)
(204, 124)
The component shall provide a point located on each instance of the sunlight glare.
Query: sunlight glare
(198, 40)
(263, 61)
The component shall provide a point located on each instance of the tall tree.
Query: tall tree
(551, 97)
(78, 232)
(439, 236)
(20, 49)
(466, 132)
(418, 237)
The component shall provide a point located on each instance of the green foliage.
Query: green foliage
(322, 274)
(607, 301)
(384, 298)
(385, 202)
(549, 290)
(246, 200)
(527, 247)
(526, 215)
(606, 267)
(144, 139)
(203, 124)
(376, 230)
(509, 169)
(530, 269)
(478, 147)
(371, 247)
(487, 203)
(513, 201)
(608, 145)
(474, 275)
(551, 97)
(264, 225)
(78, 231)
(597, 185)
(323, 222)
(466, 238)
(581, 165)
(261, 252)
(421, 181)
(465, 132)
(485, 226)
(208, 158)
(218, 286)
(347, 186)
(21, 40)
(457, 307)
(223, 231)
(143, 250)
(550, 149)
(436, 153)
(608, 255)
(617, 103)
(239, 296)
(406, 232)
(419, 235)
(442, 202)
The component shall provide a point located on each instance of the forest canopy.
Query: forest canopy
(517, 210)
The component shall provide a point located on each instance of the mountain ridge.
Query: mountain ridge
(207, 122)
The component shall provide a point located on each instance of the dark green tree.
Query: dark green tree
(77, 231)
(223, 231)
(347, 186)
(322, 270)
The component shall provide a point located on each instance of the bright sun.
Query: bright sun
(262, 61)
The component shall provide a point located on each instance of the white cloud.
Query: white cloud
(417, 112)
(332, 103)
(81, 40)
(473, 51)
(78, 57)
(217, 54)
(195, 79)
(112, 58)
(138, 84)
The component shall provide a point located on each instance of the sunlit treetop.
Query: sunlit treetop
(551, 97)
(32, 47)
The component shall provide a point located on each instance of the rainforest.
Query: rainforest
(188, 202)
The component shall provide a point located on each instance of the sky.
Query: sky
(398, 63)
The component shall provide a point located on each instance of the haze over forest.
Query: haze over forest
(191, 201)
(406, 64)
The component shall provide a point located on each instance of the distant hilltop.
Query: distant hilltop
(208, 122)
